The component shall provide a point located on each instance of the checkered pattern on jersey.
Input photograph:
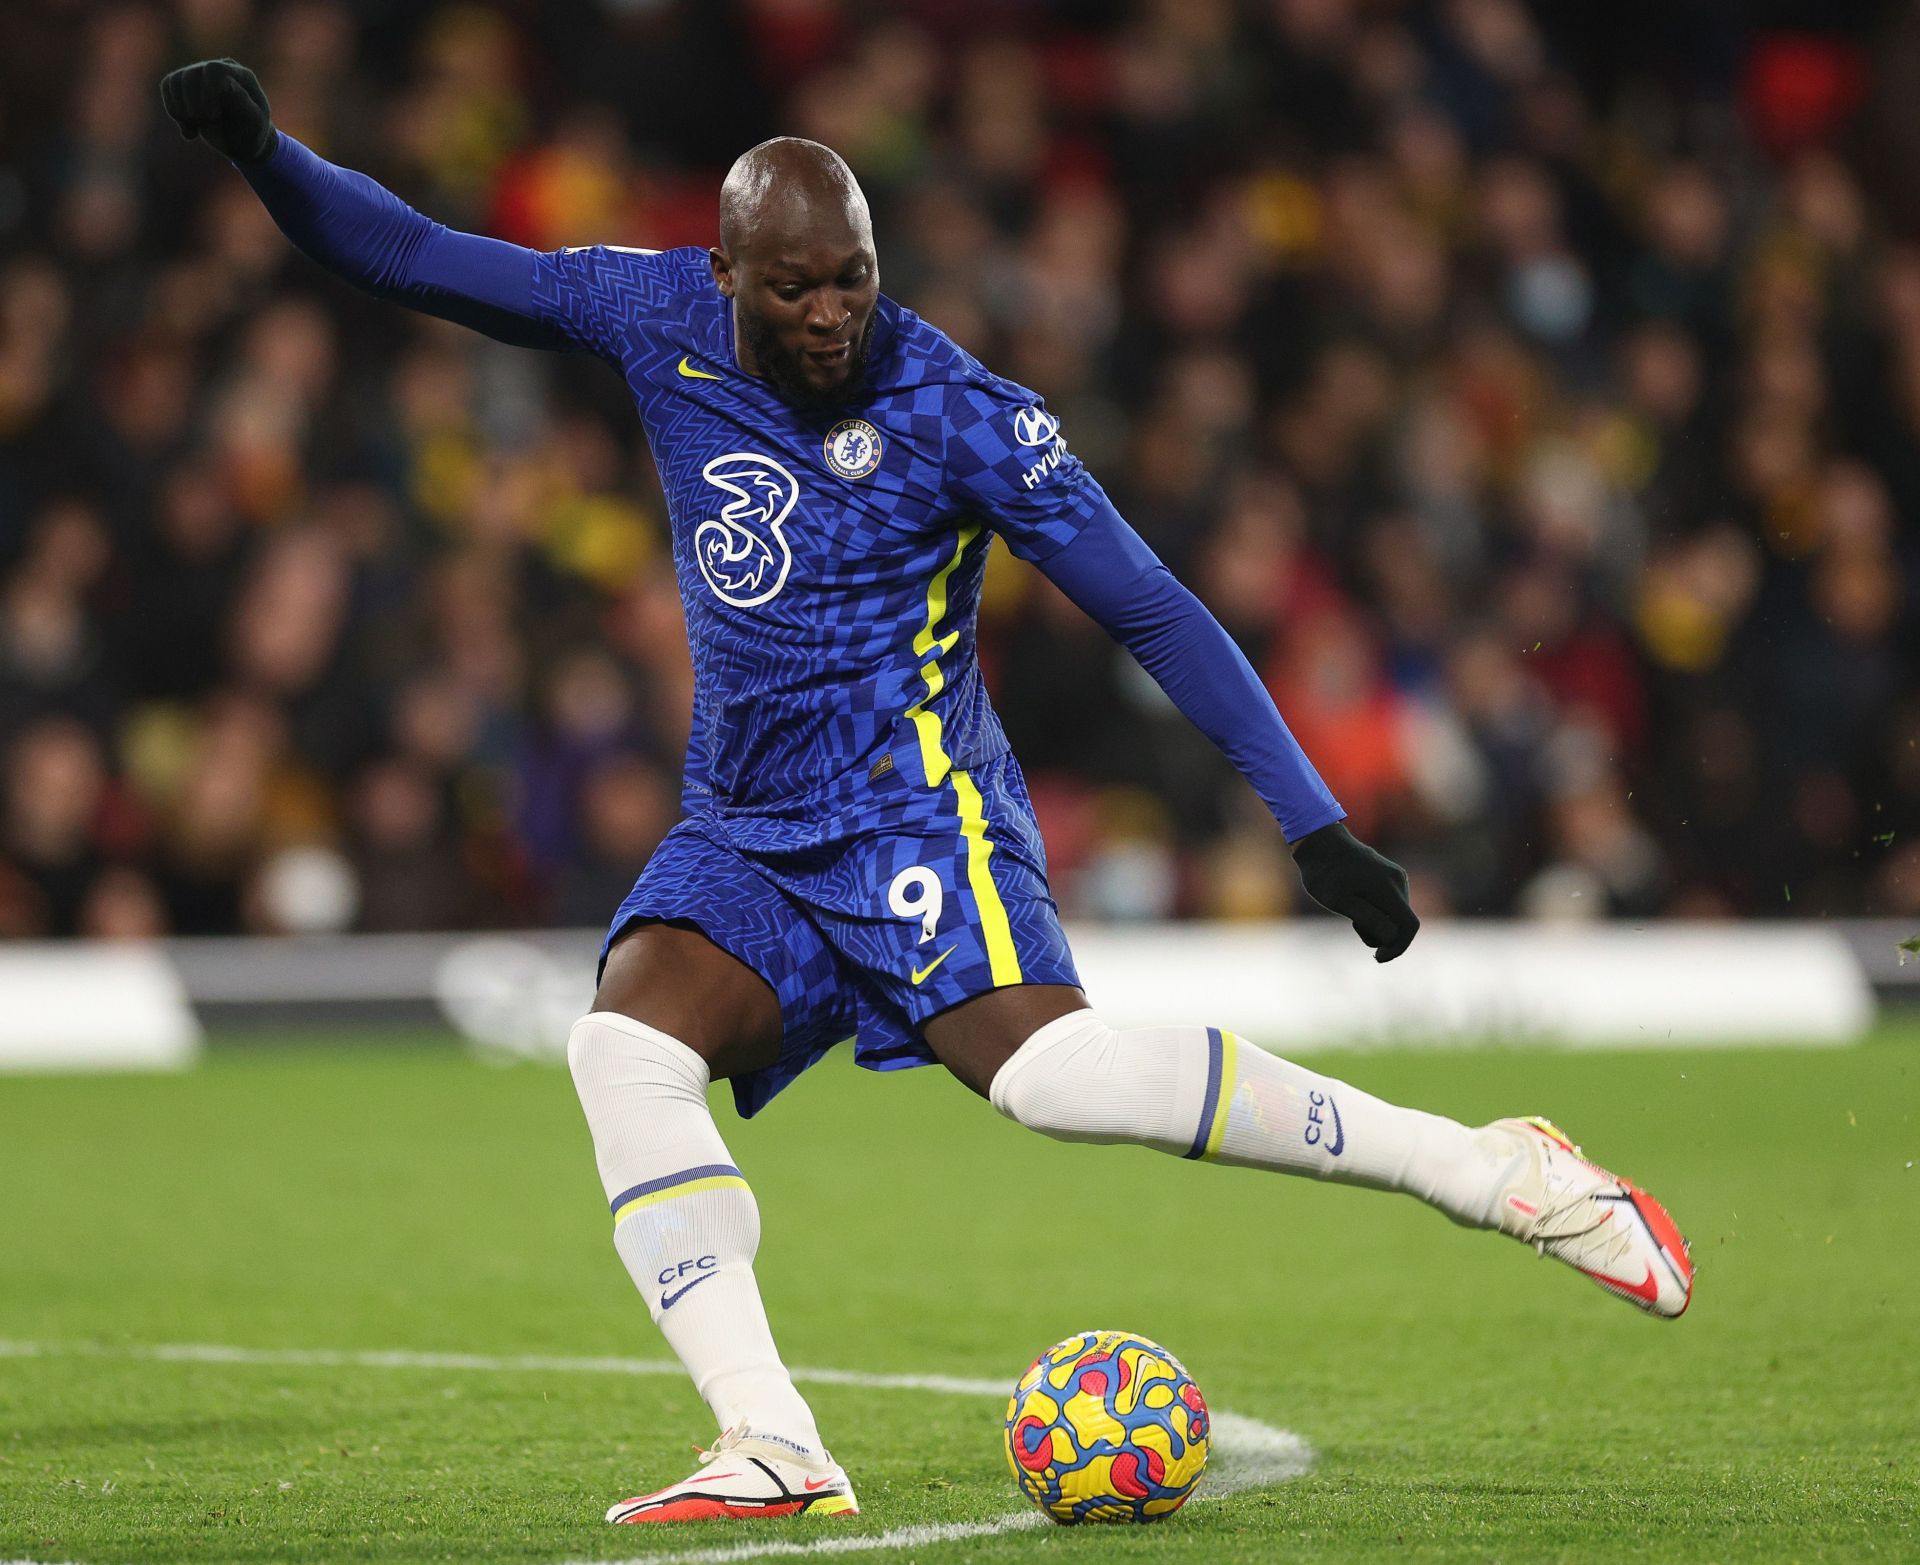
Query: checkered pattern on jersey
(818, 924)
(695, 878)
(804, 587)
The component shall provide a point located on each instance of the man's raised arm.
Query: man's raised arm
(356, 228)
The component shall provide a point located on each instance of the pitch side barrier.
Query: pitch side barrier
(1293, 986)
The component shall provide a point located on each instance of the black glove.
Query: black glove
(222, 102)
(1347, 877)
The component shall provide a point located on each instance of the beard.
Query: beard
(786, 369)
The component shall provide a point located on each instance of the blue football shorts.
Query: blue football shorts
(866, 921)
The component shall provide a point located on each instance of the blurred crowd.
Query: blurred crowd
(1533, 391)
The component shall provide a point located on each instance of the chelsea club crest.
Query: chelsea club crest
(853, 448)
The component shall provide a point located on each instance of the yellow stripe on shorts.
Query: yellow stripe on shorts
(1002, 960)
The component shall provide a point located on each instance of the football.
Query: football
(1107, 1427)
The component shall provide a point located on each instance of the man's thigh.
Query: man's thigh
(673, 978)
(709, 951)
(978, 1036)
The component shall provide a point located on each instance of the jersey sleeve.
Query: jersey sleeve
(1008, 460)
(588, 298)
(1111, 573)
(597, 296)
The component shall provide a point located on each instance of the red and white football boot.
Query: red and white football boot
(745, 1475)
(1598, 1223)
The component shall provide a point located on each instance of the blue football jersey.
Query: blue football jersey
(829, 563)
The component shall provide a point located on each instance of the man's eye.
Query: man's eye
(789, 292)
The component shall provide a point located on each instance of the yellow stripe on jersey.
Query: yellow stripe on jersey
(1002, 960)
(933, 754)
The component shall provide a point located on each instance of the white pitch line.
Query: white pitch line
(1248, 1453)
(532, 1363)
(919, 1536)
(337, 1358)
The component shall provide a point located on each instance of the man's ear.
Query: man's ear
(722, 272)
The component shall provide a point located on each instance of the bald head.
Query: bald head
(789, 189)
(796, 258)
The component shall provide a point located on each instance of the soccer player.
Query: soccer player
(858, 856)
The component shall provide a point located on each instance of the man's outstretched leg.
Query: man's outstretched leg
(1198, 1092)
(685, 1222)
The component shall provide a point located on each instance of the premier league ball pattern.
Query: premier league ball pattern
(1107, 1427)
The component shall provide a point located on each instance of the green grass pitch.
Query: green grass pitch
(1464, 1400)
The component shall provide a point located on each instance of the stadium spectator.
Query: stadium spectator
(1540, 412)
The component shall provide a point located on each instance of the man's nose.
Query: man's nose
(827, 316)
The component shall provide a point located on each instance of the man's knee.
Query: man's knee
(611, 1053)
(595, 1049)
(1078, 1079)
(1044, 1084)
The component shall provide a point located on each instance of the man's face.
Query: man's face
(804, 307)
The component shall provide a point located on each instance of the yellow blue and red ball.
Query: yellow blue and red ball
(1107, 1427)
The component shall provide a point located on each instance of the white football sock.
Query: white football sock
(1199, 1092)
(685, 1221)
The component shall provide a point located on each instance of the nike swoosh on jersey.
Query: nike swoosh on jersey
(687, 369)
(922, 974)
(668, 1300)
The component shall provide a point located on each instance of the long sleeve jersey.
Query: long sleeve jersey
(829, 562)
